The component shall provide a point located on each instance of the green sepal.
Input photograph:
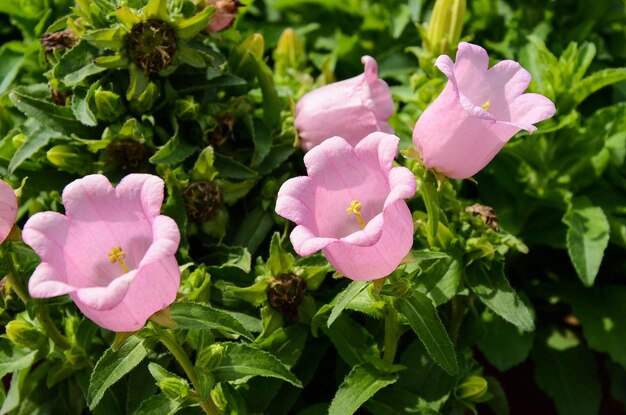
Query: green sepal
(188, 28)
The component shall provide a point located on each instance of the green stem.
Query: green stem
(431, 200)
(46, 321)
(181, 357)
(459, 307)
(392, 334)
(17, 287)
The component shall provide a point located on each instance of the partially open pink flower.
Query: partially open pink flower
(351, 206)
(112, 251)
(8, 209)
(477, 113)
(350, 109)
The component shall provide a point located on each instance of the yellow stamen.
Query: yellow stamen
(117, 255)
(486, 105)
(355, 208)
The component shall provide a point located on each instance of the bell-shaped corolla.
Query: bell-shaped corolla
(350, 109)
(112, 251)
(477, 113)
(351, 206)
(8, 209)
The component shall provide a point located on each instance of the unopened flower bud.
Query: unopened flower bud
(289, 52)
(472, 388)
(210, 357)
(109, 105)
(224, 16)
(58, 40)
(67, 157)
(24, 334)
(174, 387)
(186, 108)
(146, 100)
(17, 140)
(446, 24)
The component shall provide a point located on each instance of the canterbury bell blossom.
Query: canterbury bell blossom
(477, 113)
(112, 251)
(350, 109)
(8, 209)
(351, 206)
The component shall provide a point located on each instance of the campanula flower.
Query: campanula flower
(477, 113)
(351, 206)
(8, 209)
(112, 251)
(350, 109)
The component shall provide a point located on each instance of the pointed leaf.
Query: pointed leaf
(359, 386)
(188, 28)
(280, 261)
(344, 298)
(422, 316)
(190, 315)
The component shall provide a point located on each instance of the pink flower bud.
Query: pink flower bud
(477, 113)
(8, 209)
(350, 109)
(224, 16)
(112, 251)
(351, 206)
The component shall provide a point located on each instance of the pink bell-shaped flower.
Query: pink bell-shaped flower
(112, 251)
(350, 109)
(477, 113)
(8, 209)
(351, 206)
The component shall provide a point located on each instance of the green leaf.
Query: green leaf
(597, 80)
(494, 290)
(80, 107)
(423, 376)
(112, 38)
(602, 314)
(38, 137)
(422, 316)
(188, 28)
(190, 315)
(441, 280)
(13, 359)
(357, 387)
(58, 118)
(158, 405)
(112, 366)
(280, 261)
(344, 298)
(77, 64)
(569, 375)
(353, 342)
(231, 169)
(10, 63)
(175, 151)
(587, 238)
(241, 361)
(504, 345)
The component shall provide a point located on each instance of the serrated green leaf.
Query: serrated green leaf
(587, 238)
(38, 136)
(175, 151)
(279, 261)
(112, 366)
(158, 405)
(231, 169)
(353, 342)
(81, 108)
(597, 80)
(190, 315)
(343, 299)
(13, 359)
(422, 316)
(77, 64)
(504, 345)
(357, 387)
(570, 377)
(112, 38)
(58, 118)
(10, 63)
(241, 361)
(494, 290)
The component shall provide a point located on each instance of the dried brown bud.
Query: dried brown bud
(59, 97)
(223, 132)
(58, 40)
(151, 44)
(128, 154)
(486, 213)
(224, 16)
(202, 200)
(285, 294)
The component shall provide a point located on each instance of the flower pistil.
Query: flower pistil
(117, 255)
(355, 208)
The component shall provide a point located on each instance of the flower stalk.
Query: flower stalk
(392, 334)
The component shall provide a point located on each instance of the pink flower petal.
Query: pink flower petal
(8, 209)
(105, 298)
